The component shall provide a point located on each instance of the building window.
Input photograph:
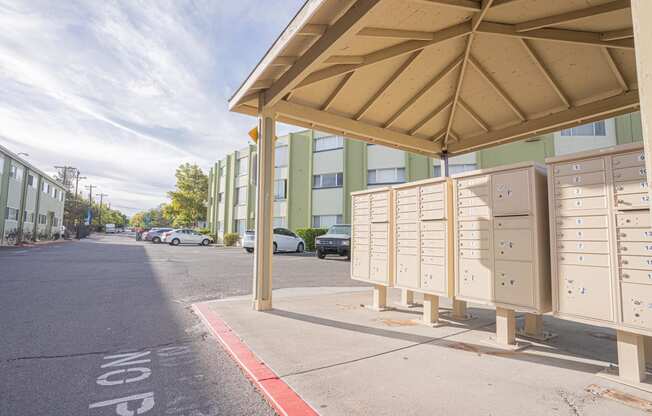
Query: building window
(279, 222)
(222, 170)
(11, 214)
(28, 217)
(55, 193)
(592, 129)
(16, 172)
(240, 195)
(31, 181)
(242, 166)
(385, 176)
(327, 180)
(240, 226)
(46, 188)
(453, 169)
(325, 221)
(280, 189)
(280, 156)
(220, 197)
(325, 143)
(42, 219)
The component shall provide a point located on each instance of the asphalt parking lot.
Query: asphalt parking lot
(68, 309)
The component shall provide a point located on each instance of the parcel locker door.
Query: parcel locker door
(511, 193)
(514, 283)
(637, 305)
(360, 263)
(475, 279)
(407, 270)
(585, 292)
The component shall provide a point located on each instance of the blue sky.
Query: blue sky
(128, 90)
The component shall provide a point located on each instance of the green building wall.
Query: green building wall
(354, 174)
(299, 186)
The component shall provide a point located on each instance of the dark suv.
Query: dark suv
(336, 241)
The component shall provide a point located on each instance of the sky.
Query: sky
(128, 90)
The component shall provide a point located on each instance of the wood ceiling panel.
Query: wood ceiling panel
(626, 62)
(430, 102)
(316, 94)
(429, 64)
(411, 15)
(484, 100)
(464, 125)
(435, 126)
(524, 10)
(601, 23)
(509, 64)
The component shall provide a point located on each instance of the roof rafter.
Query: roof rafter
(464, 106)
(469, 5)
(572, 16)
(597, 110)
(546, 73)
(554, 35)
(387, 84)
(388, 53)
(337, 34)
(434, 81)
(434, 113)
(618, 34)
(379, 32)
(615, 70)
(284, 61)
(475, 22)
(344, 59)
(360, 129)
(312, 30)
(329, 101)
(497, 88)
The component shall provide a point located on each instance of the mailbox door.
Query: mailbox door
(514, 283)
(475, 279)
(637, 305)
(511, 193)
(585, 292)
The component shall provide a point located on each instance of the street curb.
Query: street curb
(283, 399)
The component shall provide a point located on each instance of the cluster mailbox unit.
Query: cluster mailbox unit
(602, 253)
(501, 244)
(424, 234)
(371, 242)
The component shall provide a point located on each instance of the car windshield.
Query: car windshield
(250, 232)
(340, 229)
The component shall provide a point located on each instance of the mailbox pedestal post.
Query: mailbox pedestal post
(631, 356)
(407, 299)
(459, 312)
(430, 309)
(379, 298)
(505, 327)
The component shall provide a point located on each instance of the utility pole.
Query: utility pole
(90, 193)
(67, 173)
(77, 221)
(101, 199)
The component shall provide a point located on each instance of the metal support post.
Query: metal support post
(430, 309)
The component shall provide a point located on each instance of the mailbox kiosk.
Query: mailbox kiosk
(424, 242)
(372, 214)
(602, 250)
(501, 244)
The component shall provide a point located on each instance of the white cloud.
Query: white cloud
(126, 91)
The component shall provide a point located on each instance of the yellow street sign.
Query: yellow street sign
(253, 133)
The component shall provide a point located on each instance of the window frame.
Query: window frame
(339, 180)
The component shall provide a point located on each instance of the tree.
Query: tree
(188, 201)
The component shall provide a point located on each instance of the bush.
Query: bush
(204, 231)
(309, 235)
(230, 239)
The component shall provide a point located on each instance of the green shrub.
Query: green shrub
(230, 239)
(204, 231)
(309, 235)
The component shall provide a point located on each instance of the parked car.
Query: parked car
(109, 228)
(185, 236)
(284, 240)
(155, 235)
(336, 241)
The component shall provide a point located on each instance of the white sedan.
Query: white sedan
(184, 236)
(284, 240)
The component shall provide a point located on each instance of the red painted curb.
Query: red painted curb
(277, 393)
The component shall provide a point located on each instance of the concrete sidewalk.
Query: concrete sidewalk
(344, 359)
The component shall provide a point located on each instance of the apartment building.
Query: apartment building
(316, 172)
(32, 202)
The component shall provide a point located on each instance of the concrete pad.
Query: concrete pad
(344, 359)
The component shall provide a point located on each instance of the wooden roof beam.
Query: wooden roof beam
(597, 110)
(345, 60)
(618, 34)
(458, 87)
(337, 34)
(497, 88)
(572, 16)
(377, 32)
(469, 5)
(554, 35)
(615, 70)
(431, 84)
(284, 61)
(387, 84)
(464, 106)
(312, 30)
(546, 73)
(355, 128)
(430, 116)
(329, 101)
(391, 52)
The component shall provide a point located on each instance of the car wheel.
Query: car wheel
(175, 242)
(205, 242)
(320, 254)
(300, 248)
(275, 248)
(156, 240)
(348, 256)
(249, 250)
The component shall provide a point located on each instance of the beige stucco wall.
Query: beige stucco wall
(327, 201)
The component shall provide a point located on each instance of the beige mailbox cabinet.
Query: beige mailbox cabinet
(424, 235)
(602, 253)
(371, 242)
(501, 241)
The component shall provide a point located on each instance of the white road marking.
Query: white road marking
(103, 380)
(122, 404)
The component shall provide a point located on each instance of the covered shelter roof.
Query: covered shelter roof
(447, 75)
